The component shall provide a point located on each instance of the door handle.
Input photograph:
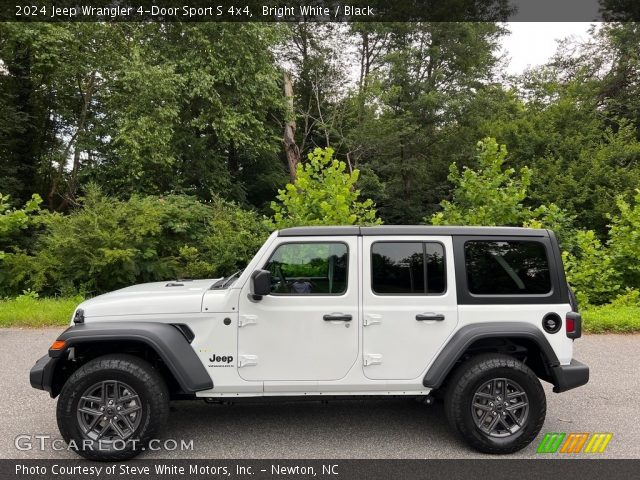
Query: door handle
(333, 317)
(438, 317)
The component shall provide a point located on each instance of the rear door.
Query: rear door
(409, 303)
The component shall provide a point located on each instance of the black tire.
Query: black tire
(141, 390)
(466, 387)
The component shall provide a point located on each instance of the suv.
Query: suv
(472, 315)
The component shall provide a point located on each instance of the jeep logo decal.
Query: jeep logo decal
(221, 359)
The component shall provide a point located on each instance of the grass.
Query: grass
(37, 312)
(49, 312)
(611, 319)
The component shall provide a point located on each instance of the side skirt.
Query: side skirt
(316, 395)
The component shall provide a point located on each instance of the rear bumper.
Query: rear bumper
(570, 376)
(41, 374)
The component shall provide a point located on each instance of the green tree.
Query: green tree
(494, 195)
(430, 71)
(576, 120)
(55, 73)
(324, 193)
(140, 109)
(25, 99)
(181, 115)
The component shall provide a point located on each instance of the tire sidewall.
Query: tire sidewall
(70, 427)
(535, 408)
(469, 378)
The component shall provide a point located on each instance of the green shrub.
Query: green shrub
(624, 241)
(599, 271)
(630, 298)
(14, 221)
(590, 270)
(108, 244)
(234, 235)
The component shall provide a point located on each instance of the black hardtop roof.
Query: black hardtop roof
(382, 230)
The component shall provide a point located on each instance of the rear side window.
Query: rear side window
(405, 268)
(507, 267)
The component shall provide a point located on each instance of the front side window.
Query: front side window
(413, 268)
(309, 269)
(507, 267)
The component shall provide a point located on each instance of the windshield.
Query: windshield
(227, 281)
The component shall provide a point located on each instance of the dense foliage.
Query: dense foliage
(322, 194)
(109, 243)
(492, 195)
(14, 221)
(135, 152)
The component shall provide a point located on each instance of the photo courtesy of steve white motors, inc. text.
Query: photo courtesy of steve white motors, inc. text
(166, 469)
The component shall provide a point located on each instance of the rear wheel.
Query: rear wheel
(496, 403)
(112, 406)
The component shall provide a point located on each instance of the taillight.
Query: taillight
(573, 325)
(570, 325)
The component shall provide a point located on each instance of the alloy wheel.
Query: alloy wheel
(500, 407)
(109, 410)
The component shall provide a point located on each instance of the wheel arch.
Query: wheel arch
(163, 345)
(518, 339)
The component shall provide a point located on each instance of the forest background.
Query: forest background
(143, 152)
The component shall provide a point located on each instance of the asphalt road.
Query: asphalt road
(341, 429)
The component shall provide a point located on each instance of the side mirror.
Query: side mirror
(260, 284)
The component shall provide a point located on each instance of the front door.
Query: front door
(307, 328)
(409, 304)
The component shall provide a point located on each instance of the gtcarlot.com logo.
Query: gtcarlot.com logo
(46, 442)
(574, 442)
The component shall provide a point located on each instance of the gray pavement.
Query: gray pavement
(395, 428)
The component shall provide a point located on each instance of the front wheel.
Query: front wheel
(496, 403)
(111, 407)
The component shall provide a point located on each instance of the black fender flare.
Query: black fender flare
(165, 339)
(467, 335)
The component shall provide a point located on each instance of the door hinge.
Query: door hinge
(372, 359)
(245, 320)
(247, 360)
(372, 319)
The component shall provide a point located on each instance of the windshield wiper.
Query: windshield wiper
(224, 282)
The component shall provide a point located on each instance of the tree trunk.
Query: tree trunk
(232, 160)
(290, 147)
(87, 95)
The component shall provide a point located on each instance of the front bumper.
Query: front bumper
(41, 374)
(570, 376)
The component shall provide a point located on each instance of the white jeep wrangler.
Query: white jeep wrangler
(475, 314)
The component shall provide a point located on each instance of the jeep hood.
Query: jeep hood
(170, 297)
